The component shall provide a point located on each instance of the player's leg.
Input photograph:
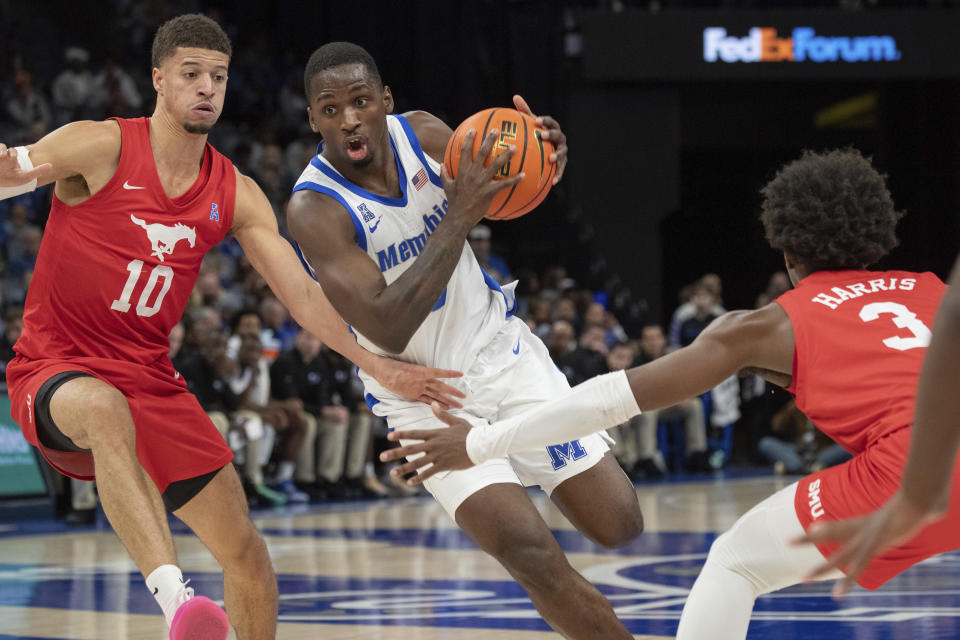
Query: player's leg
(581, 476)
(218, 515)
(93, 415)
(502, 520)
(614, 520)
(752, 558)
(489, 503)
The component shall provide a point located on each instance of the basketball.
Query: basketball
(532, 157)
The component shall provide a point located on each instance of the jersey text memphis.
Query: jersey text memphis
(393, 232)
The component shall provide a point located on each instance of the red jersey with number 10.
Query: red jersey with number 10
(860, 341)
(114, 273)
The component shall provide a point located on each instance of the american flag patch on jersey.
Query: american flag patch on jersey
(420, 179)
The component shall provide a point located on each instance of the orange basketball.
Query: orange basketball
(531, 157)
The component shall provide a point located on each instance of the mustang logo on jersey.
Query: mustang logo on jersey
(163, 239)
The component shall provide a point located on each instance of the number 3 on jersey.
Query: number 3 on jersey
(903, 318)
(122, 304)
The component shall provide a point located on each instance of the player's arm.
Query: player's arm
(390, 315)
(80, 156)
(432, 133)
(255, 228)
(924, 494)
(762, 338)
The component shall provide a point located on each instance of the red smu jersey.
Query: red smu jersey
(860, 341)
(114, 273)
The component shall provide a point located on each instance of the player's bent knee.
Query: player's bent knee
(534, 563)
(106, 416)
(617, 531)
(244, 549)
(727, 554)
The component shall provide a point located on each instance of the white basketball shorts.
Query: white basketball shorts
(510, 376)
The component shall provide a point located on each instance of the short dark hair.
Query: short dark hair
(188, 30)
(336, 54)
(830, 210)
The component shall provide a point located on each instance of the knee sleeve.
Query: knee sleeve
(758, 547)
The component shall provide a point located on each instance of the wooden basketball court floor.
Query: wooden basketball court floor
(395, 569)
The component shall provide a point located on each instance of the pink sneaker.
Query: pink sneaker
(199, 618)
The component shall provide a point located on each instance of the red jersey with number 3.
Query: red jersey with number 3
(114, 273)
(860, 341)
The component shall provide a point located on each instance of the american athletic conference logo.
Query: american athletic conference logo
(163, 239)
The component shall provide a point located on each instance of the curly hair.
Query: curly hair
(830, 210)
(335, 54)
(188, 30)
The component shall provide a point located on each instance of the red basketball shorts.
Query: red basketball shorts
(175, 438)
(862, 485)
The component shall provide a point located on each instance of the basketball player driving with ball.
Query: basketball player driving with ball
(847, 342)
(383, 229)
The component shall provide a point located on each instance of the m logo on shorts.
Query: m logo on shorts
(560, 454)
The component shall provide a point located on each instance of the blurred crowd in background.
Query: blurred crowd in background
(292, 410)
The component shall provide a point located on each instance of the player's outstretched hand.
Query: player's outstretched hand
(11, 175)
(416, 382)
(551, 132)
(865, 538)
(445, 449)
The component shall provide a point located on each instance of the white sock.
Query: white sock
(166, 584)
(285, 471)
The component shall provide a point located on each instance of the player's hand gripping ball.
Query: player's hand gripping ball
(532, 157)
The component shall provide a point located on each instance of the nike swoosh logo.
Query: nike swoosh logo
(516, 349)
(374, 227)
(127, 185)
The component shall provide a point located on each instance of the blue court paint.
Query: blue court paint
(646, 584)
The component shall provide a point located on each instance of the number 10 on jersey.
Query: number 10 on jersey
(122, 304)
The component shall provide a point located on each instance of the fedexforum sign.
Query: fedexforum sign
(694, 46)
(764, 44)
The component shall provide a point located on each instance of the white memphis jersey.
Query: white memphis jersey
(393, 231)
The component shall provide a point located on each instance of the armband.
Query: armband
(23, 159)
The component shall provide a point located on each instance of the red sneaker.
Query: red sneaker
(199, 618)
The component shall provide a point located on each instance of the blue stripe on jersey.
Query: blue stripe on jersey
(319, 188)
(442, 300)
(331, 173)
(371, 401)
(493, 284)
(303, 261)
(417, 149)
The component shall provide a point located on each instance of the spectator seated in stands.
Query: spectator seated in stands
(797, 446)
(304, 373)
(278, 330)
(260, 415)
(709, 287)
(650, 461)
(494, 265)
(587, 360)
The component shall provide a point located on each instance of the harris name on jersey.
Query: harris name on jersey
(838, 295)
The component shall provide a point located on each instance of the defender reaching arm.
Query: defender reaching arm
(762, 339)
